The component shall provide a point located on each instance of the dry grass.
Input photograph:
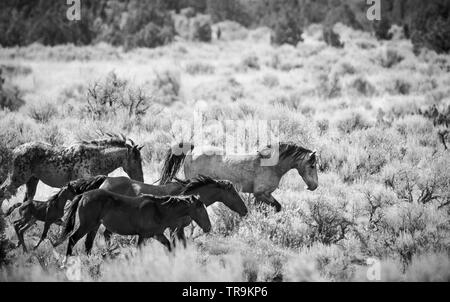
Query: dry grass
(379, 158)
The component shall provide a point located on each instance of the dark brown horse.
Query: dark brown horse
(52, 210)
(208, 189)
(146, 216)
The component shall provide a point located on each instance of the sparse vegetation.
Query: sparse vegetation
(377, 114)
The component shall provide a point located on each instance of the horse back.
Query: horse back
(239, 169)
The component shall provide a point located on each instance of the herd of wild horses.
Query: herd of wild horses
(128, 206)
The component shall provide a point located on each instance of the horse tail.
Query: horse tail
(12, 208)
(173, 162)
(83, 185)
(69, 221)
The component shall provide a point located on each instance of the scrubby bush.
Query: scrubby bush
(390, 57)
(360, 86)
(10, 96)
(382, 28)
(354, 121)
(331, 37)
(287, 30)
(167, 84)
(201, 28)
(327, 222)
(430, 27)
(196, 68)
(42, 112)
(399, 86)
(115, 96)
(250, 61)
(270, 81)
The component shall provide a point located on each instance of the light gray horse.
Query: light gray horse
(245, 171)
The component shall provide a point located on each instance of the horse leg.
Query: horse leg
(178, 234)
(18, 224)
(21, 233)
(268, 199)
(31, 187)
(44, 234)
(74, 239)
(89, 242)
(107, 235)
(163, 239)
(141, 240)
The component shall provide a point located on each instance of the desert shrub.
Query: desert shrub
(233, 10)
(270, 81)
(152, 264)
(360, 86)
(145, 24)
(115, 96)
(432, 267)
(326, 219)
(15, 129)
(331, 37)
(410, 229)
(354, 121)
(430, 27)
(341, 12)
(390, 57)
(287, 31)
(399, 86)
(13, 70)
(221, 90)
(52, 134)
(376, 198)
(195, 68)
(10, 96)
(42, 112)
(291, 101)
(250, 61)
(167, 84)
(426, 182)
(329, 85)
(230, 31)
(302, 269)
(382, 28)
(201, 28)
(285, 229)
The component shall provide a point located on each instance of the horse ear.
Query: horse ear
(313, 156)
(139, 148)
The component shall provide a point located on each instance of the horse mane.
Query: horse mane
(82, 185)
(290, 149)
(79, 186)
(203, 180)
(110, 139)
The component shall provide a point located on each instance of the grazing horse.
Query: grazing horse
(52, 210)
(56, 166)
(245, 171)
(146, 216)
(207, 189)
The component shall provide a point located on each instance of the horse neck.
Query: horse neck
(62, 201)
(208, 194)
(113, 158)
(284, 165)
(176, 211)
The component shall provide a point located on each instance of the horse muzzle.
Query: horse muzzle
(311, 188)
